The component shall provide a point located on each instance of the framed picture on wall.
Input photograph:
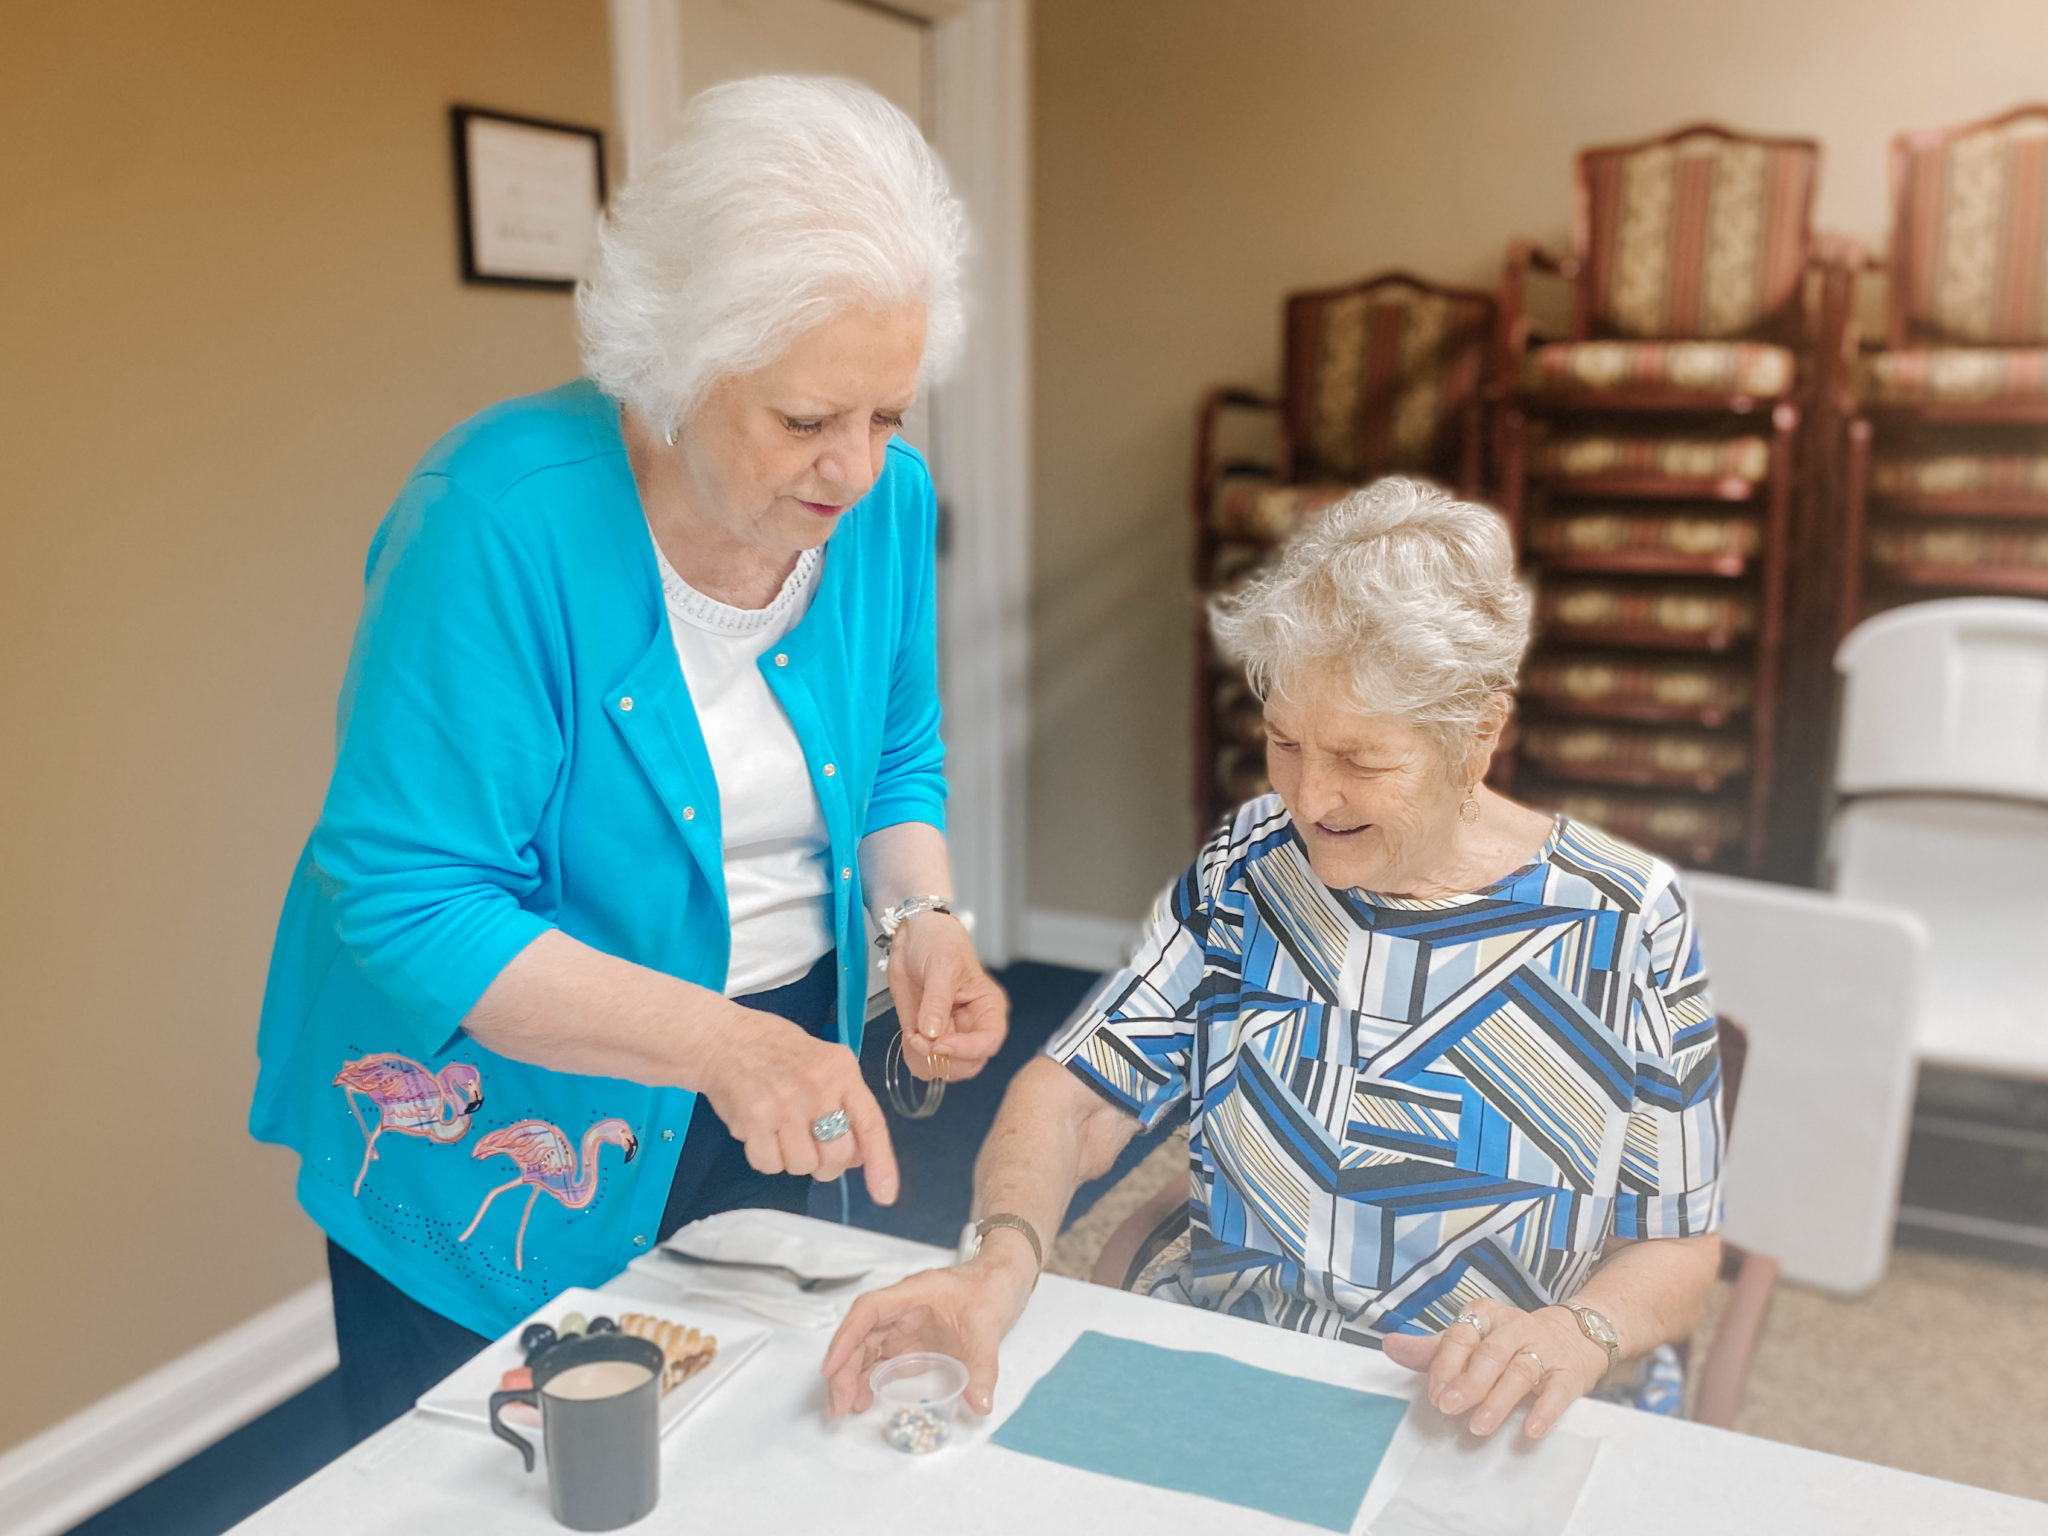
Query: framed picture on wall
(527, 195)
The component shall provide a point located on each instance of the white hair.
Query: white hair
(1401, 594)
(785, 201)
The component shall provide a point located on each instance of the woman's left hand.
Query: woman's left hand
(954, 1016)
(1486, 1370)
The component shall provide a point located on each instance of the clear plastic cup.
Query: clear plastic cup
(919, 1395)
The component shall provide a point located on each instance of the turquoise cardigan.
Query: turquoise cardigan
(517, 752)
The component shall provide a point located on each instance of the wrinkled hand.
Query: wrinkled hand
(963, 1310)
(1489, 1376)
(769, 1080)
(951, 1010)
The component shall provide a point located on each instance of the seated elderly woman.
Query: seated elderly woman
(1449, 1064)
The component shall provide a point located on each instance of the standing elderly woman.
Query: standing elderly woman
(641, 720)
(1449, 1064)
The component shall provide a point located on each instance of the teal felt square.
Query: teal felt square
(1207, 1424)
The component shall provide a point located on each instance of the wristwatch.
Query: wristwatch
(971, 1238)
(1594, 1325)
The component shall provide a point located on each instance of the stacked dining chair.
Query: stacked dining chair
(1649, 454)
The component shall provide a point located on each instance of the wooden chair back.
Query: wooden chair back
(1969, 251)
(1734, 1055)
(1700, 234)
(1385, 376)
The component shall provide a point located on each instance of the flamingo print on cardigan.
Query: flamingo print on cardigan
(547, 1162)
(410, 1100)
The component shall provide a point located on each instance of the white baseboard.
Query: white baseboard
(1077, 939)
(98, 1455)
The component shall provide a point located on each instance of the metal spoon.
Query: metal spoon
(803, 1281)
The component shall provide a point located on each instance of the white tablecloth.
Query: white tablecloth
(760, 1456)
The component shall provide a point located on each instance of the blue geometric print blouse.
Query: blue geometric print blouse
(1396, 1106)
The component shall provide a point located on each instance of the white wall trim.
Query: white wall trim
(981, 417)
(647, 79)
(1076, 938)
(80, 1466)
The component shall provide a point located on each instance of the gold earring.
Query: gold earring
(1469, 811)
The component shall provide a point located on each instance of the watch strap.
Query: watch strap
(1015, 1223)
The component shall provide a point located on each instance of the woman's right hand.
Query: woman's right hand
(963, 1310)
(770, 1081)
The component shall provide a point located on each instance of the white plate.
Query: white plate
(467, 1394)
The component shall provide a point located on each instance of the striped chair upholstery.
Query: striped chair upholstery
(1645, 533)
(1649, 690)
(1955, 375)
(1962, 474)
(1379, 375)
(1700, 237)
(1599, 455)
(1967, 245)
(1647, 758)
(1625, 614)
(1721, 367)
(1966, 553)
(1250, 508)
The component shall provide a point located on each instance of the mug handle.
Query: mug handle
(503, 1431)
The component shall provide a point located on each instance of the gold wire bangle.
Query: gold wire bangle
(894, 1068)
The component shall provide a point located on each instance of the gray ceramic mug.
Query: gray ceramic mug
(601, 1425)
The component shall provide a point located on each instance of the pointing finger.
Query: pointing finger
(871, 1132)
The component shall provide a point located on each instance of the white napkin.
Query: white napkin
(770, 1237)
(1503, 1484)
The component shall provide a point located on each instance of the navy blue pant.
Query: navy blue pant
(393, 1348)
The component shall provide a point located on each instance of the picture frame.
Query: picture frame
(528, 192)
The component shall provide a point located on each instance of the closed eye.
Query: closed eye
(803, 427)
(889, 421)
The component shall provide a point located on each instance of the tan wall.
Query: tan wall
(231, 322)
(1194, 159)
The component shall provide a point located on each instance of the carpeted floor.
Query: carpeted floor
(1941, 1369)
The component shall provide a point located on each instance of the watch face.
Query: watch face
(1601, 1329)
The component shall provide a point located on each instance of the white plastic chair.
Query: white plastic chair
(1828, 991)
(1943, 773)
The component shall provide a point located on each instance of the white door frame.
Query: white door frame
(981, 418)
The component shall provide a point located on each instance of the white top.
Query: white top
(778, 881)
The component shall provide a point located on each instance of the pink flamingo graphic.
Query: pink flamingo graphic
(548, 1162)
(410, 1100)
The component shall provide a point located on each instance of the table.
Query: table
(760, 1456)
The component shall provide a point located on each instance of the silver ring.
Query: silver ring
(893, 1065)
(1472, 1320)
(830, 1127)
(1525, 1350)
